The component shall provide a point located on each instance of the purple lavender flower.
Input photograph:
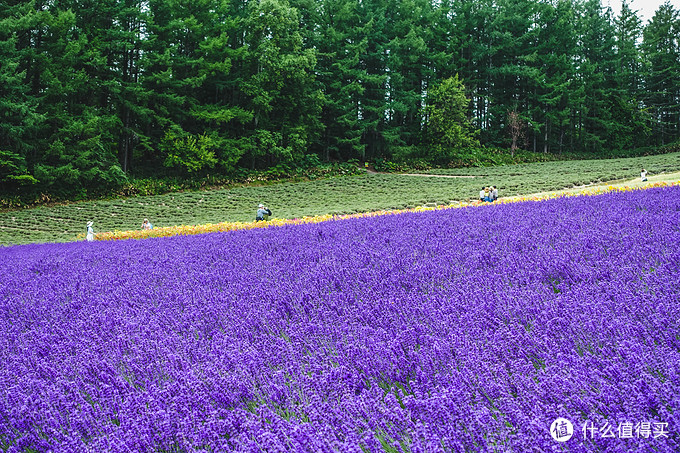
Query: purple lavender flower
(456, 330)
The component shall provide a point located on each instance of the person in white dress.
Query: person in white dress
(90, 232)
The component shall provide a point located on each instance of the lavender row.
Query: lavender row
(457, 330)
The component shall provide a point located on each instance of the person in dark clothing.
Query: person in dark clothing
(263, 213)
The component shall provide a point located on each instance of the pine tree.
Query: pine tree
(449, 130)
(20, 117)
(630, 126)
(661, 47)
(340, 41)
(197, 113)
(597, 65)
(284, 97)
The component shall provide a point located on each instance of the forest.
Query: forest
(93, 92)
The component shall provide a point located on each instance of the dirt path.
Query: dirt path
(372, 171)
(437, 176)
(668, 177)
(663, 177)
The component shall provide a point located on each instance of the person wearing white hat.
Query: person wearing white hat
(263, 213)
(90, 232)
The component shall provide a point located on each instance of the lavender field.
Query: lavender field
(456, 330)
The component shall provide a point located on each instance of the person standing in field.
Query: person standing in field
(146, 225)
(488, 195)
(494, 193)
(643, 175)
(263, 213)
(90, 232)
(482, 194)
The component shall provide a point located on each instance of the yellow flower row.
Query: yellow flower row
(183, 230)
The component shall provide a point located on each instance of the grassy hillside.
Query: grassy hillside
(329, 196)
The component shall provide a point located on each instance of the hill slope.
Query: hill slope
(341, 195)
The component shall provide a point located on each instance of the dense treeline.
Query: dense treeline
(94, 90)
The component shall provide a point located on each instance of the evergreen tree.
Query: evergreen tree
(196, 119)
(449, 130)
(340, 40)
(661, 47)
(630, 125)
(373, 64)
(409, 71)
(19, 110)
(597, 64)
(92, 90)
(471, 31)
(79, 144)
(284, 97)
(513, 73)
(554, 77)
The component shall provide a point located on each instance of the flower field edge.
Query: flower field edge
(460, 330)
(185, 230)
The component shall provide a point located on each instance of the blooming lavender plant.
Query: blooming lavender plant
(460, 330)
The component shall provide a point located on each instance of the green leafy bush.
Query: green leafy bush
(13, 173)
(188, 153)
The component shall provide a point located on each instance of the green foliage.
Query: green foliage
(403, 166)
(280, 86)
(79, 160)
(475, 157)
(661, 59)
(190, 154)
(340, 40)
(309, 168)
(13, 171)
(449, 132)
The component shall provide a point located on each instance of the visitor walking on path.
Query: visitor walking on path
(263, 213)
(643, 175)
(90, 232)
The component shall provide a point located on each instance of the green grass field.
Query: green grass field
(577, 172)
(341, 195)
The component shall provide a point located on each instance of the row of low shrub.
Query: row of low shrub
(168, 184)
(492, 157)
(483, 157)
